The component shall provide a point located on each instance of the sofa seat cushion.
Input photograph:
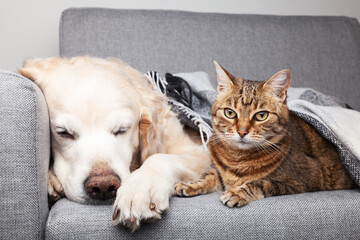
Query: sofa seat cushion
(320, 215)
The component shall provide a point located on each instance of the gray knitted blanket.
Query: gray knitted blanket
(326, 114)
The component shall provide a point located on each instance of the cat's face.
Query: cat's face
(250, 114)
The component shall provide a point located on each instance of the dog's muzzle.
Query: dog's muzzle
(102, 182)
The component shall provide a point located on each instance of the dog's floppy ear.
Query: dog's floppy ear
(150, 135)
(36, 68)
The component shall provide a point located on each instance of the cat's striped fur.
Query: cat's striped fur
(262, 149)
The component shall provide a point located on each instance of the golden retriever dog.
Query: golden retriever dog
(113, 136)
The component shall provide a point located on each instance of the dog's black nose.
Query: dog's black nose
(102, 182)
(102, 187)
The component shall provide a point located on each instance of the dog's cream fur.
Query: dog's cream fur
(93, 98)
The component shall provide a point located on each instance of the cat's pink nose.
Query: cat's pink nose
(243, 133)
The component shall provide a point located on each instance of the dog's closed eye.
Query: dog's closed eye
(121, 131)
(64, 133)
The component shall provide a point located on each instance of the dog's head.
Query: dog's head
(102, 115)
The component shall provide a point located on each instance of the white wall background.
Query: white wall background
(29, 28)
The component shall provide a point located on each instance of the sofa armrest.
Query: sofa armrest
(24, 158)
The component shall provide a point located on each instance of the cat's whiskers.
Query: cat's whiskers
(271, 152)
(217, 138)
(270, 148)
(275, 148)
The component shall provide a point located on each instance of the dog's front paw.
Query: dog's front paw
(233, 198)
(143, 197)
(55, 190)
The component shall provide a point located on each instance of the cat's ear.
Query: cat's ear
(279, 83)
(224, 78)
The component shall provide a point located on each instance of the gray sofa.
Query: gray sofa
(322, 52)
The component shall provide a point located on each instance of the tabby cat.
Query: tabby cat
(262, 149)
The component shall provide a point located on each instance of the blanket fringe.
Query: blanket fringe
(160, 85)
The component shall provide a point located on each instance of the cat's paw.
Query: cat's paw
(209, 182)
(186, 190)
(55, 190)
(233, 199)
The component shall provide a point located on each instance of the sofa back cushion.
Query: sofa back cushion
(322, 52)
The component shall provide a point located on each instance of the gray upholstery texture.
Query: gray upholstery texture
(322, 52)
(24, 158)
(299, 216)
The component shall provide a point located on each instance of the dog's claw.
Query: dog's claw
(54, 195)
(115, 214)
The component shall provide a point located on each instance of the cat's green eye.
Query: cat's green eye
(229, 113)
(261, 116)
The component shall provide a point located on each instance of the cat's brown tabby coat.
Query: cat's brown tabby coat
(262, 149)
